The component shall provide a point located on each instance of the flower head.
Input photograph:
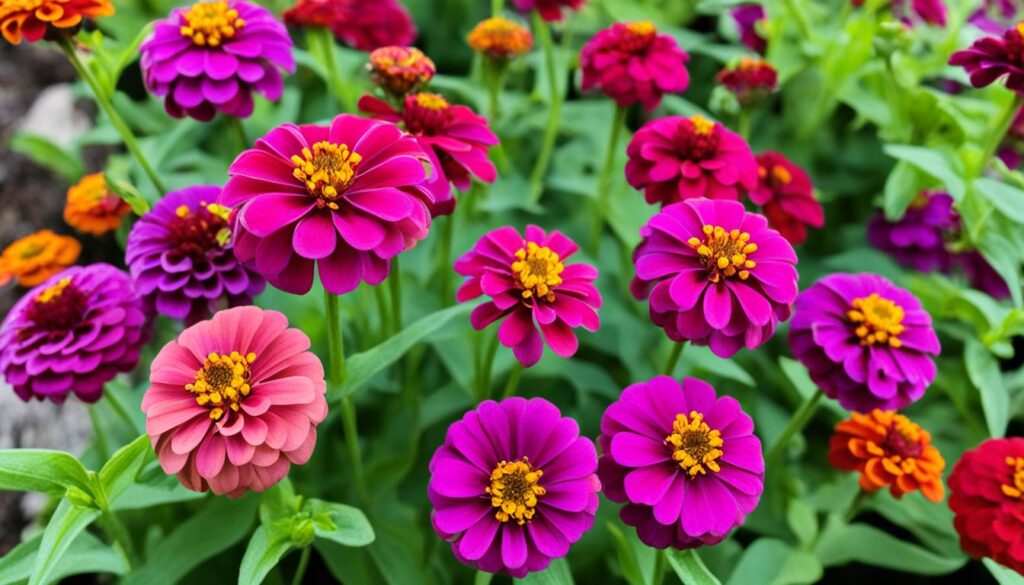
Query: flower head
(549, 10)
(211, 57)
(865, 341)
(715, 275)
(751, 80)
(930, 11)
(347, 197)
(72, 334)
(181, 258)
(919, 238)
(362, 24)
(234, 402)
(36, 257)
(500, 38)
(31, 20)
(400, 70)
(993, 16)
(513, 486)
(981, 275)
(990, 58)
(785, 193)
(888, 450)
(530, 286)
(91, 208)
(747, 17)
(678, 158)
(632, 63)
(685, 462)
(454, 138)
(987, 499)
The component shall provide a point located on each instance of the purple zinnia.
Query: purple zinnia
(918, 239)
(181, 259)
(981, 275)
(210, 58)
(715, 274)
(686, 464)
(513, 486)
(990, 58)
(865, 341)
(72, 334)
(746, 17)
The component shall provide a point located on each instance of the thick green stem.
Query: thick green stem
(547, 148)
(119, 535)
(323, 39)
(336, 375)
(104, 101)
(855, 506)
(998, 134)
(382, 310)
(445, 260)
(743, 123)
(395, 285)
(335, 340)
(513, 380)
(603, 195)
(673, 358)
(483, 382)
(241, 140)
(497, 7)
(795, 425)
(300, 571)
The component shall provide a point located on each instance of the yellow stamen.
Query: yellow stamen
(641, 28)
(696, 447)
(724, 253)
(222, 382)
(326, 170)
(53, 292)
(701, 125)
(515, 490)
(1015, 488)
(431, 101)
(782, 174)
(538, 270)
(211, 23)
(877, 320)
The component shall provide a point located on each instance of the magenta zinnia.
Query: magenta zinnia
(715, 275)
(348, 198)
(686, 463)
(235, 401)
(72, 334)
(362, 24)
(676, 158)
(990, 58)
(865, 341)
(786, 195)
(530, 287)
(549, 10)
(513, 486)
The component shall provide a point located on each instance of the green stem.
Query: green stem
(300, 572)
(604, 179)
(796, 423)
(445, 260)
(483, 383)
(543, 32)
(98, 433)
(119, 535)
(336, 375)
(855, 506)
(335, 340)
(130, 142)
(995, 138)
(513, 380)
(673, 358)
(395, 285)
(497, 7)
(382, 310)
(800, 16)
(323, 39)
(743, 123)
(241, 141)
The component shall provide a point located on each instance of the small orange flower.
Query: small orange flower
(91, 208)
(888, 450)
(38, 256)
(500, 38)
(400, 70)
(32, 19)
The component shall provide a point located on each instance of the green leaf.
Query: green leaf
(842, 543)
(690, 568)
(67, 522)
(365, 365)
(351, 527)
(1002, 574)
(49, 154)
(932, 162)
(40, 470)
(1002, 254)
(1006, 198)
(802, 521)
(85, 555)
(129, 194)
(629, 564)
(557, 573)
(797, 374)
(769, 560)
(983, 371)
(266, 548)
(901, 187)
(120, 471)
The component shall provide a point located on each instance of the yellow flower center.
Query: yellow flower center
(779, 175)
(1015, 488)
(878, 320)
(431, 101)
(701, 125)
(724, 252)
(30, 250)
(501, 37)
(326, 171)
(1020, 28)
(211, 23)
(514, 490)
(222, 382)
(696, 447)
(54, 292)
(539, 270)
(8, 7)
(641, 28)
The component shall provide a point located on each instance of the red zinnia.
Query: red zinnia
(785, 193)
(363, 24)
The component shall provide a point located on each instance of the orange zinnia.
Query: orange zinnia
(91, 208)
(31, 19)
(888, 449)
(500, 38)
(38, 256)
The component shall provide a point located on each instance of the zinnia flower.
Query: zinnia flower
(529, 287)
(785, 193)
(990, 58)
(400, 70)
(91, 208)
(72, 334)
(513, 486)
(500, 38)
(686, 463)
(751, 80)
(36, 257)
(549, 10)
(888, 450)
(919, 238)
(865, 341)
(715, 275)
(632, 63)
(993, 16)
(181, 258)
(234, 402)
(987, 499)
(746, 17)
(33, 19)
(981, 275)
(362, 24)
(211, 58)
(930, 11)
(676, 158)
(348, 197)
(454, 138)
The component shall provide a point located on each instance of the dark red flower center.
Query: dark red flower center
(637, 36)
(697, 138)
(58, 308)
(1014, 39)
(195, 232)
(426, 113)
(904, 439)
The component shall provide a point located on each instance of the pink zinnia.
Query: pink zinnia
(990, 58)
(362, 24)
(632, 63)
(549, 10)
(678, 158)
(785, 193)
(348, 197)
(454, 137)
(715, 275)
(235, 401)
(530, 287)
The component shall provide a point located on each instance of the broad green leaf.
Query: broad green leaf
(1002, 254)
(85, 555)
(774, 562)
(120, 471)
(901, 187)
(690, 568)
(841, 544)
(145, 495)
(351, 528)
(629, 565)
(40, 470)
(279, 502)
(48, 154)
(983, 371)
(266, 548)
(557, 573)
(932, 162)
(365, 365)
(1002, 574)
(67, 522)
(802, 521)
(1006, 198)
(129, 194)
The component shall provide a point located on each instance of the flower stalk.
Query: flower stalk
(603, 199)
(798, 421)
(547, 148)
(336, 375)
